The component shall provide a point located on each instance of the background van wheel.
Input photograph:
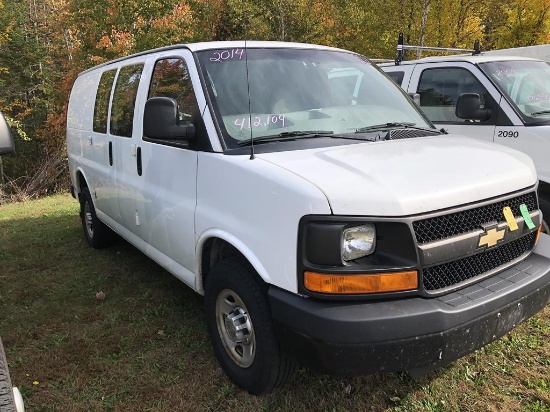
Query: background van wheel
(241, 330)
(7, 400)
(97, 233)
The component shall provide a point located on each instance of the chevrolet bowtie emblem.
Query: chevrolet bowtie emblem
(491, 237)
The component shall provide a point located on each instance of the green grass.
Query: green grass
(145, 347)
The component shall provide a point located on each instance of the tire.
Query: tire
(241, 329)
(7, 400)
(98, 235)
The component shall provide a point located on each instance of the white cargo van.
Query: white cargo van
(491, 97)
(323, 221)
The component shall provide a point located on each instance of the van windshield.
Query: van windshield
(300, 92)
(526, 84)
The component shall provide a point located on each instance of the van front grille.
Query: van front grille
(444, 226)
(448, 274)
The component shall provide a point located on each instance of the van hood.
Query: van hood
(407, 177)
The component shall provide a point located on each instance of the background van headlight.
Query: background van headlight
(358, 241)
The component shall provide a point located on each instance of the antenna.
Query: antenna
(252, 157)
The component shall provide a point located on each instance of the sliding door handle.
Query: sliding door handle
(138, 159)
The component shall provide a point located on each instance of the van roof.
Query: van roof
(196, 47)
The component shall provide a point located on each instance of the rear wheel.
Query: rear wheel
(240, 327)
(97, 233)
(7, 400)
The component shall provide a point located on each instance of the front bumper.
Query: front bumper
(412, 333)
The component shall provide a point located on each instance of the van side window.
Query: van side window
(101, 106)
(124, 100)
(397, 77)
(439, 90)
(171, 79)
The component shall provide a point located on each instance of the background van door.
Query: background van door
(439, 86)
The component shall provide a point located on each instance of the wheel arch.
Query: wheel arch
(544, 203)
(544, 198)
(80, 182)
(215, 246)
(544, 188)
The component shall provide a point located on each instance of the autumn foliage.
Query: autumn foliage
(44, 44)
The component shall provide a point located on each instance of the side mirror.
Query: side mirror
(6, 138)
(468, 107)
(161, 120)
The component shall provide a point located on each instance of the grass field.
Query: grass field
(145, 347)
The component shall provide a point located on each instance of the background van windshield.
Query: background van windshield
(527, 85)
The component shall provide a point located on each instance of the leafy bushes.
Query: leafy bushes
(38, 174)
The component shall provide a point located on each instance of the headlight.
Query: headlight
(358, 241)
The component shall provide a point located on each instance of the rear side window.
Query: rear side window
(397, 77)
(124, 100)
(101, 106)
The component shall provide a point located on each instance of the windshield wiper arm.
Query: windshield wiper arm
(394, 125)
(384, 126)
(292, 135)
(541, 112)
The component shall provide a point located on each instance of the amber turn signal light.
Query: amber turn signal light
(538, 235)
(361, 283)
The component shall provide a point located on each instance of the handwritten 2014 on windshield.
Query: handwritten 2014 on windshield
(258, 121)
(219, 56)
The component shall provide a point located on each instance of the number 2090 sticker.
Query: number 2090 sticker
(508, 133)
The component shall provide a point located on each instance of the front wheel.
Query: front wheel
(240, 327)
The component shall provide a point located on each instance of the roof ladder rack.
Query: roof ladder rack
(402, 47)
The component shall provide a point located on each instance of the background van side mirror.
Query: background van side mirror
(7, 145)
(468, 107)
(161, 120)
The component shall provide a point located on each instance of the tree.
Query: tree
(526, 23)
(44, 44)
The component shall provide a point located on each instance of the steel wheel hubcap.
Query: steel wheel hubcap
(89, 220)
(235, 328)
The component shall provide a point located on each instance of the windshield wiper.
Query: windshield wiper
(393, 125)
(541, 112)
(292, 135)
(383, 126)
(388, 127)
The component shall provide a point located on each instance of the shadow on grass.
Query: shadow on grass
(145, 346)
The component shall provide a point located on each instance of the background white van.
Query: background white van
(489, 96)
